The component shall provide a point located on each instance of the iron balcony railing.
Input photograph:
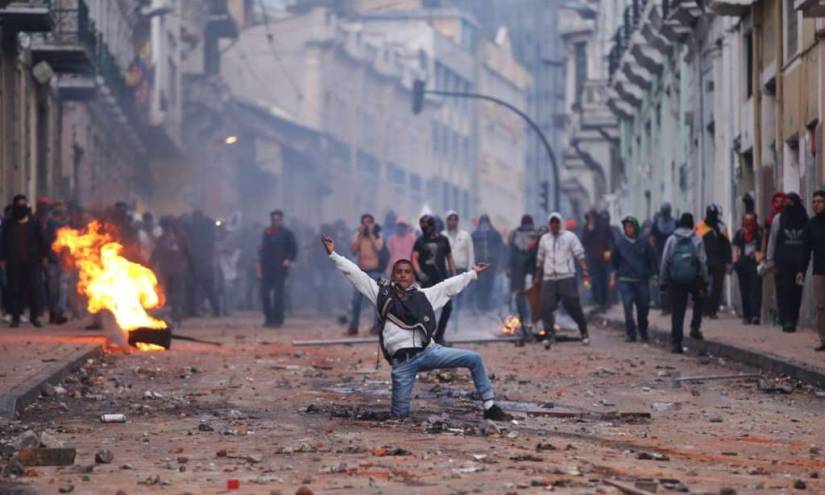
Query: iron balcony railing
(74, 26)
(631, 19)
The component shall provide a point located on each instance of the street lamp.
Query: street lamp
(420, 89)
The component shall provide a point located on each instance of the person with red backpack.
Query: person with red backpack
(683, 273)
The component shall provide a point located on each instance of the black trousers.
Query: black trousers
(600, 280)
(678, 294)
(717, 283)
(272, 297)
(484, 290)
(750, 288)
(567, 291)
(174, 285)
(443, 319)
(200, 284)
(23, 282)
(788, 293)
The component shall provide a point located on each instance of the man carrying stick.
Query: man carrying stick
(408, 324)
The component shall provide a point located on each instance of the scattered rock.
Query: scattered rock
(304, 490)
(47, 390)
(545, 446)
(104, 456)
(49, 441)
(715, 419)
(205, 427)
(663, 406)
(67, 488)
(526, 458)
(652, 456)
(727, 491)
(27, 439)
(800, 485)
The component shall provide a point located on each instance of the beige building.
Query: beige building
(502, 133)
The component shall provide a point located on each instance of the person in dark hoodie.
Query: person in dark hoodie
(23, 253)
(524, 244)
(662, 227)
(684, 272)
(634, 264)
(597, 239)
(815, 245)
(488, 246)
(786, 253)
(716, 239)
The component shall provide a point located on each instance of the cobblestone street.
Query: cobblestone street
(275, 418)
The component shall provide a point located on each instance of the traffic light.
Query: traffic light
(544, 194)
(418, 96)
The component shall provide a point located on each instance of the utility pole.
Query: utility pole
(420, 89)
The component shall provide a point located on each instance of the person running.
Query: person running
(559, 252)
(683, 273)
(407, 318)
(634, 264)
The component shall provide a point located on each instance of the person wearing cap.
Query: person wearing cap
(558, 254)
(684, 272)
(716, 239)
(461, 246)
(634, 265)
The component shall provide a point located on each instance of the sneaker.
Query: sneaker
(755, 321)
(352, 331)
(36, 323)
(697, 335)
(585, 339)
(644, 338)
(549, 341)
(15, 322)
(677, 349)
(629, 338)
(60, 320)
(23, 319)
(7, 318)
(496, 413)
(821, 347)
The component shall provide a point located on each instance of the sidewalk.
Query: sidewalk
(31, 357)
(763, 347)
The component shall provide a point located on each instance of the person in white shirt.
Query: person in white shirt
(464, 257)
(560, 251)
(408, 324)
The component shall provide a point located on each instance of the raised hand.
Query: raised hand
(481, 267)
(329, 244)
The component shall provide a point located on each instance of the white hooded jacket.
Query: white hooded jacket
(558, 253)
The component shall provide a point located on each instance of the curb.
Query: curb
(763, 362)
(26, 392)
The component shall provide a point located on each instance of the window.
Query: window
(581, 69)
(749, 64)
(791, 29)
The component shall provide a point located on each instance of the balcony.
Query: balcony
(811, 8)
(220, 23)
(31, 17)
(71, 45)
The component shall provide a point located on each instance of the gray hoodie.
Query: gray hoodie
(667, 254)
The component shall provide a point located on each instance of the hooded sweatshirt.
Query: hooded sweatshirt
(667, 255)
(558, 253)
(634, 259)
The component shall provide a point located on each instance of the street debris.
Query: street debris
(774, 386)
(677, 379)
(113, 418)
(104, 456)
(40, 456)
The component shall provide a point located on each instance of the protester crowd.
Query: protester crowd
(211, 267)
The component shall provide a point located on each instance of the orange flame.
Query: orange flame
(511, 324)
(109, 280)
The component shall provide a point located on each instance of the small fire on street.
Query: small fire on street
(511, 325)
(110, 281)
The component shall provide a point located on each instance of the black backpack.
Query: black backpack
(413, 313)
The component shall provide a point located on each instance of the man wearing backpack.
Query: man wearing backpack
(408, 324)
(432, 259)
(367, 246)
(684, 271)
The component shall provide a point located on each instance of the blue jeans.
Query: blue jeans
(635, 294)
(357, 299)
(432, 358)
